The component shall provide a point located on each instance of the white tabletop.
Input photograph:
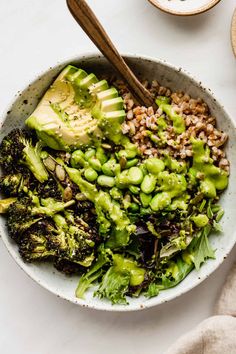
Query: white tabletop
(35, 35)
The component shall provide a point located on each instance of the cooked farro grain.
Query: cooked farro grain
(140, 121)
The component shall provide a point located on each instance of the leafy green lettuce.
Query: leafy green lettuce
(200, 249)
(95, 272)
(120, 276)
(175, 270)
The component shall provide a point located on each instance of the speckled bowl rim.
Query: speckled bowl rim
(201, 10)
(153, 301)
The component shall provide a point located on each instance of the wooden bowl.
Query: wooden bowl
(184, 7)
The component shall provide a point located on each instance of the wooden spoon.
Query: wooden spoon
(233, 32)
(90, 24)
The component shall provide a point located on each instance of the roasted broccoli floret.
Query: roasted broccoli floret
(17, 150)
(14, 184)
(67, 241)
(35, 246)
(74, 239)
(26, 211)
(49, 189)
(22, 183)
(67, 267)
(45, 228)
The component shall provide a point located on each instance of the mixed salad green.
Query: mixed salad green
(80, 194)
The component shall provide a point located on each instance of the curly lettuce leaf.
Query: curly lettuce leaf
(120, 276)
(95, 272)
(152, 290)
(175, 273)
(200, 248)
(177, 244)
(114, 286)
(172, 274)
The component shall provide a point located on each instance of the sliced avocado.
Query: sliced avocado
(112, 105)
(67, 72)
(88, 81)
(77, 76)
(99, 87)
(78, 110)
(107, 94)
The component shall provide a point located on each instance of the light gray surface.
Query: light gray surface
(32, 320)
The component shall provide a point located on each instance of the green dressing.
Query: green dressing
(171, 185)
(213, 178)
(178, 121)
(126, 265)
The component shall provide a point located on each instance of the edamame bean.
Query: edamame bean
(208, 188)
(116, 193)
(134, 189)
(95, 164)
(174, 165)
(200, 220)
(160, 201)
(101, 155)
(117, 168)
(89, 153)
(143, 168)
(122, 179)
(131, 163)
(106, 181)
(90, 174)
(134, 207)
(107, 168)
(149, 183)
(111, 167)
(145, 199)
(77, 159)
(130, 151)
(135, 175)
(155, 165)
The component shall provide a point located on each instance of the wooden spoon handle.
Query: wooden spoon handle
(233, 32)
(90, 24)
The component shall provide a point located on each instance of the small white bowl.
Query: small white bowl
(184, 7)
(169, 76)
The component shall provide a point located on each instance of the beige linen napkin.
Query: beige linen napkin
(217, 334)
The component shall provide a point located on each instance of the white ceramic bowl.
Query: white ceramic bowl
(184, 7)
(176, 79)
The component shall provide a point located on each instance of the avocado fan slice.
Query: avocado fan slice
(77, 110)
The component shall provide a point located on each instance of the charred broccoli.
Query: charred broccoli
(22, 183)
(43, 227)
(26, 211)
(66, 241)
(17, 151)
(35, 246)
(14, 184)
(73, 239)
